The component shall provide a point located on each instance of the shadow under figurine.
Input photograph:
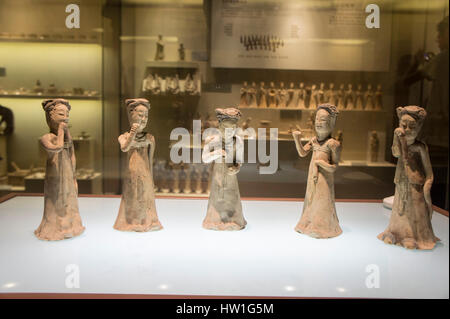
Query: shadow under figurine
(319, 218)
(224, 204)
(410, 222)
(137, 210)
(61, 218)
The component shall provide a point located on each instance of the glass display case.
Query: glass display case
(275, 62)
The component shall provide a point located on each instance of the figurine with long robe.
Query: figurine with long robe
(61, 218)
(137, 210)
(224, 204)
(410, 222)
(319, 218)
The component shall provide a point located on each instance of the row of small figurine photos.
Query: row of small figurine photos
(309, 97)
(155, 84)
(181, 178)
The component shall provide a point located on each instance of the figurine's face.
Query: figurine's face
(139, 115)
(410, 126)
(302, 85)
(262, 84)
(291, 85)
(331, 85)
(272, 84)
(245, 83)
(59, 114)
(350, 86)
(282, 84)
(323, 123)
(229, 127)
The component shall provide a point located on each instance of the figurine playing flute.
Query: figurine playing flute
(224, 205)
(319, 219)
(410, 222)
(61, 218)
(137, 210)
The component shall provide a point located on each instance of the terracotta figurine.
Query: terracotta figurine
(262, 95)
(61, 218)
(159, 55)
(374, 146)
(319, 217)
(137, 210)
(410, 222)
(224, 205)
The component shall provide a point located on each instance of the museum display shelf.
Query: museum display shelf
(266, 259)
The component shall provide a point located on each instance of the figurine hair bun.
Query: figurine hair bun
(330, 108)
(230, 113)
(416, 112)
(132, 103)
(49, 104)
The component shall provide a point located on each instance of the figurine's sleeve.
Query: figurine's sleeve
(48, 145)
(335, 148)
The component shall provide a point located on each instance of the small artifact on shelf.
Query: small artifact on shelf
(359, 104)
(379, 98)
(189, 85)
(173, 85)
(369, 98)
(147, 83)
(78, 91)
(181, 52)
(251, 92)
(61, 217)
(155, 85)
(282, 96)
(187, 182)
(159, 55)
(262, 96)
(206, 181)
(314, 102)
(321, 94)
(52, 89)
(410, 223)
(349, 98)
(341, 97)
(182, 176)
(374, 145)
(301, 96)
(38, 89)
(272, 95)
(319, 219)
(331, 95)
(243, 102)
(224, 204)
(291, 102)
(197, 180)
(137, 210)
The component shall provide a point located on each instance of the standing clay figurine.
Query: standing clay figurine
(410, 222)
(272, 95)
(341, 97)
(244, 99)
(291, 102)
(181, 52)
(155, 86)
(147, 83)
(374, 146)
(314, 102)
(349, 98)
(379, 98)
(262, 96)
(369, 98)
(189, 85)
(159, 55)
(301, 95)
(61, 218)
(224, 205)
(359, 98)
(282, 96)
(331, 95)
(319, 217)
(137, 210)
(251, 92)
(321, 93)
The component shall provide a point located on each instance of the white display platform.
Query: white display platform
(268, 258)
